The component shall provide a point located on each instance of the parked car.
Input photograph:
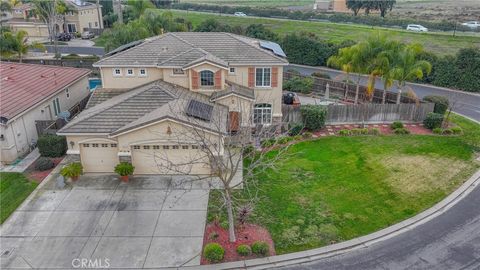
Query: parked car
(417, 28)
(240, 14)
(64, 36)
(472, 24)
(88, 35)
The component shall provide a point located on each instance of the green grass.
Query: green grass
(14, 188)
(338, 188)
(440, 43)
(254, 3)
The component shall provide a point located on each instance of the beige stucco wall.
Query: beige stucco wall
(124, 81)
(33, 30)
(20, 131)
(238, 104)
(178, 79)
(87, 18)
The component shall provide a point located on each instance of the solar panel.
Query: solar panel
(199, 110)
(274, 47)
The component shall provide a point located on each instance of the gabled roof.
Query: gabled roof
(140, 106)
(178, 49)
(24, 86)
(233, 89)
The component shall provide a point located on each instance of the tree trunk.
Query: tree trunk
(384, 95)
(231, 223)
(357, 90)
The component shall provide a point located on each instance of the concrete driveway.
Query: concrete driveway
(148, 223)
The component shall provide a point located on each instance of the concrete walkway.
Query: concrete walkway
(150, 222)
(23, 164)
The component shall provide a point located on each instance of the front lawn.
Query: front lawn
(337, 188)
(14, 188)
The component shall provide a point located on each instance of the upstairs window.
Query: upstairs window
(206, 78)
(262, 77)
(117, 72)
(142, 72)
(130, 72)
(178, 71)
(231, 70)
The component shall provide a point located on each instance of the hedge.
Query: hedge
(441, 103)
(313, 116)
(433, 120)
(52, 145)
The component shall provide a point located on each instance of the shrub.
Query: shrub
(244, 250)
(374, 131)
(344, 132)
(260, 248)
(268, 142)
(307, 135)
(298, 137)
(52, 145)
(124, 168)
(213, 236)
(213, 252)
(433, 120)
(43, 164)
(313, 116)
(248, 150)
(447, 131)
(396, 125)
(283, 140)
(72, 170)
(437, 131)
(441, 103)
(224, 224)
(401, 131)
(295, 129)
(298, 84)
(457, 130)
(359, 131)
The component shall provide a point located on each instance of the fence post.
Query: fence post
(399, 96)
(327, 91)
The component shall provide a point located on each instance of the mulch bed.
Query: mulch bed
(38, 176)
(247, 234)
(332, 130)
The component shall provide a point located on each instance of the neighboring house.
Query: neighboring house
(30, 93)
(154, 91)
(84, 16)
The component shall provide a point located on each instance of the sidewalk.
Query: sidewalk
(24, 164)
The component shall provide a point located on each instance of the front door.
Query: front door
(234, 121)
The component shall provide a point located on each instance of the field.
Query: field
(440, 43)
(255, 3)
(337, 188)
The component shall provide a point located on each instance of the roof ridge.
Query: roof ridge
(255, 47)
(178, 55)
(183, 40)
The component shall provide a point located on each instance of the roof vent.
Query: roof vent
(164, 49)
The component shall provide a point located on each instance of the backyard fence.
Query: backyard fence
(346, 91)
(365, 113)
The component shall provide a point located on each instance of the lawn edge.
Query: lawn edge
(37, 189)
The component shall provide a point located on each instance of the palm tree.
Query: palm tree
(407, 67)
(18, 44)
(139, 6)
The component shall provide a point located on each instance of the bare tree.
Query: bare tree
(223, 143)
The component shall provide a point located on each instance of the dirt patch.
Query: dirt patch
(416, 174)
(246, 235)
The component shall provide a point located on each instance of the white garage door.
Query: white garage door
(99, 157)
(169, 159)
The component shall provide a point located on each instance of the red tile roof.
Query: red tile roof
(25, 85)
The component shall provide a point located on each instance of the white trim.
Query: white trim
(97, 139)
(235, 95)
(130, 75)
(140, 74)
(203, 62)
(114, 72)
(73, 152)
(82, 134)
(230, 71)
(263, 78)
(124, 154)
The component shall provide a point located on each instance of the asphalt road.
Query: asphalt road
(467, 104)
(450, 241)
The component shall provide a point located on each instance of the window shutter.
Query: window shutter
(218, 79)
(251, 77)
(194, 79)
(274, 76)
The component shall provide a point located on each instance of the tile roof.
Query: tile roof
(140, 106)
(233, 89)
(25, 85)
(100, 95)
(180, 48)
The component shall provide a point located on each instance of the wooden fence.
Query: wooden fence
(346, 91)
(365, 113)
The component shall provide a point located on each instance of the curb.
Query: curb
(356, 243)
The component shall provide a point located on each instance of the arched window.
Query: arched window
(262, 113)
(206, 78)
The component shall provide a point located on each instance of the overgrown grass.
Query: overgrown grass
(439, 43)
(337, 188)
(254, 3)
(14, 188)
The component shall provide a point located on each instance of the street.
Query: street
(466, 103)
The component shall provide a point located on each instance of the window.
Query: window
(262, 77)
(262, 114)
(94, 144)
(56, 106)
(206, 78)
(166, 147)
(184, 146)
(117, 72)
(146, 147)
(175, 147)
(104, 144)
(113, 145)
(96, 24)
(142, 72)
(178, 71)
(72, 28)
(136, 147)
(67, 92)
(86, 145)
(194, 146)
(130, 72)
(156, 147)
(232, 70)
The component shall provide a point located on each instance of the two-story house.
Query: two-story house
(155, 90)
